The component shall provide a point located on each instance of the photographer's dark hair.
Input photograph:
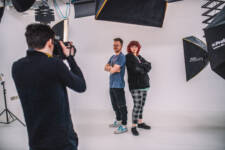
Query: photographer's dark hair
(38, 34)
(119, 40)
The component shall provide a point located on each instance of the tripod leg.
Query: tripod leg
(2, 112)
(17, 119)
(13, 119)
(7, 117)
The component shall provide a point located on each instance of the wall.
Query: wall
(162, 46)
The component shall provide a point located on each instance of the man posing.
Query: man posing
(41, 82)
(116, 67)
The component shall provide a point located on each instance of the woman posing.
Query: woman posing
(138, 80)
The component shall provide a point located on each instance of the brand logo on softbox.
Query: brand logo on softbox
(218, 44)
(195, 59)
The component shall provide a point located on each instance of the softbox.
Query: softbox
(22, 5)
(215, 37)
(61, 30)
(141, 12)
(61, 33)
(84, 8)
(195, 55)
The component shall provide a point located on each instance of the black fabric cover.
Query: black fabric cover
(2, 11)
(22, 5)
(84, 8)
(195, 54)
(215, 37)
(141, 12)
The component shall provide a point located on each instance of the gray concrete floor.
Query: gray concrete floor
(171, 130)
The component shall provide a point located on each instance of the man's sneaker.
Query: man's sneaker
(144, 126)
(121, 129)
(134, 131)
(116, 124)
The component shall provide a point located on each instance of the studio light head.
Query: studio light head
(44, 14)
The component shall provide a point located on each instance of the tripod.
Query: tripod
(10, 117)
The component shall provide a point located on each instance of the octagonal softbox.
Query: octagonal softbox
(195, 55)
(141, 12)
(215, 37)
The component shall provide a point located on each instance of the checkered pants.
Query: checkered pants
(139, 97)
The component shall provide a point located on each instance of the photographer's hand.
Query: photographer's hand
(68, 51)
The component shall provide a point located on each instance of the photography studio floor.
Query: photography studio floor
(170, 131)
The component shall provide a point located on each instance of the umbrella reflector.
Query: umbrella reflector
(195, 55)
(144, 12)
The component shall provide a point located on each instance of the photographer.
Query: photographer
(41, 82)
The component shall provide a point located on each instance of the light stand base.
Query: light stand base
(10, 117)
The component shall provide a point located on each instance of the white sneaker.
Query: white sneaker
(121, 129)
(116, 124)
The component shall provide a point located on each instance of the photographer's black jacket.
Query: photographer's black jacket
(137, 72)
(41, 83)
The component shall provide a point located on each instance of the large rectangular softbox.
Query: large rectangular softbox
(141, 12)
(215, 37)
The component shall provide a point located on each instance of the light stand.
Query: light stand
(10, 117)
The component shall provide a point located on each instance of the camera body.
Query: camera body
(58, 51)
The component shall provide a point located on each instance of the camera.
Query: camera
(61, 30)
(58, 51)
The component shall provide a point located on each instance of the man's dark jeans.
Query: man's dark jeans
(118, 100)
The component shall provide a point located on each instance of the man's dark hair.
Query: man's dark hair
(38, 34)
(119, 40)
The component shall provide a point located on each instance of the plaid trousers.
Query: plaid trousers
(139, 97)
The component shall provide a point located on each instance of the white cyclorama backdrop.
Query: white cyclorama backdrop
(93, 39)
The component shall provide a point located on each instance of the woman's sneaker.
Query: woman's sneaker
(121, 129)
(144, 126)
(115, 124)
(134, 131)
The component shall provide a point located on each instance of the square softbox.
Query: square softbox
(141, 12)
